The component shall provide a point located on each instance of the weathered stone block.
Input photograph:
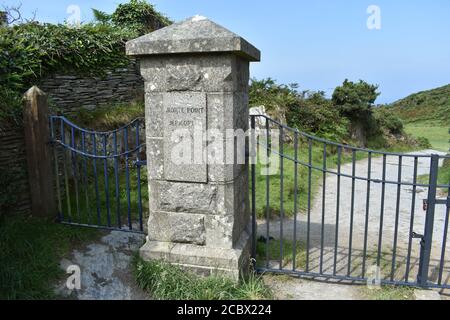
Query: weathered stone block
(176, 227)
(183, 197)
(154, 115)
(155, 158)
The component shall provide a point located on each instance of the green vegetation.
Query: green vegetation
(31, 51)
(137, 15)
(437, 136)
(168, 282)
(388, 293)
(385, 260)
(443, 175)
(349, 117)
(355, 101)
(84, 208)
(426, 114)
(109, 117)
(30, 252)
(431, 106)
(273, 248)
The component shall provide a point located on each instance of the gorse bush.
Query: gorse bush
(314, 113)
(348, 117)
(136, 15)
(276, 98)
(388, 120)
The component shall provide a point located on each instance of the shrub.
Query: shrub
(355, 100)
(31, 51)
(388, 120)
(137, 15)
(10, 107)
(276, 98)
(423, 142)
(314, 113)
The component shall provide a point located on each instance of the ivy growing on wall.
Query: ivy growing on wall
(31, 51)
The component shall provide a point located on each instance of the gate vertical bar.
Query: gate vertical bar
(308, 233)
(352, 214)
(425, 244)
(294, 247)
(253, 173)
(106, 181)
(281, 195)
(322, 227)
(397, 217)
(411, 219)
(366, 224)
(138, 169)
(268, 152)
(383, 192)
(338, 195)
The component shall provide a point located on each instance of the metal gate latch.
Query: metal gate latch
(417, 236)
(425, 204)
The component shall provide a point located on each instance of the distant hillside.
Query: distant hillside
(432, 106)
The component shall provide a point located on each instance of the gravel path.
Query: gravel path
(353, 263)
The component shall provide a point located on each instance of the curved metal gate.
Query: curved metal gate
(99, 182)
(328, 210)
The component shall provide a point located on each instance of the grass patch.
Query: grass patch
(274, 250)
(437, 135)
(109, 117)
(168, 282)
(443, 175)
(386, 256)
(30, 252)
(389, 293)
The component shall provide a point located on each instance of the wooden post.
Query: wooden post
(38, 152)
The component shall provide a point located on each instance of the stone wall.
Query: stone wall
(69, 93)
(13, 159)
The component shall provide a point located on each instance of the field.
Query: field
(437, 134)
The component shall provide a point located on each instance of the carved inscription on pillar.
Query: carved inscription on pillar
(184, 146)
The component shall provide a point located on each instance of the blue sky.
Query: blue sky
(319, 43)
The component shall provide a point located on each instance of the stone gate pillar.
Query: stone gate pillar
(196, 84)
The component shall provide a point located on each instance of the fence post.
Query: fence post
(427, 240)
(38, 153)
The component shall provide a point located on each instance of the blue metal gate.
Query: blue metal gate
(333, 211)
(99, 182)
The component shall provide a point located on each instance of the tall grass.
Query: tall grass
(30, 251)
(168, 282)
